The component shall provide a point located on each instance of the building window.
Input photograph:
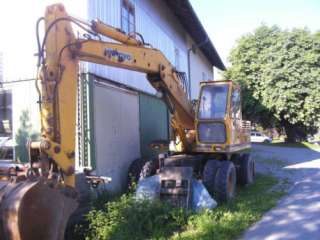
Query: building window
(5, 112)
(1, 68)
(177, 58)
(127, 16)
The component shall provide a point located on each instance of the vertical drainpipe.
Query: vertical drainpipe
(193, 49)
(189, 71)
(212, 73)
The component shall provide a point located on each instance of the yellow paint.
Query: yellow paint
(59, 76)
(241, 142)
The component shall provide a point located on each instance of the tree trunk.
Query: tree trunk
(290, 131)
(294, 132)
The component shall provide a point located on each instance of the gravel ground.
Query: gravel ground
(297, 216)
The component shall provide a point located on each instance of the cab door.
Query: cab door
(235, 115)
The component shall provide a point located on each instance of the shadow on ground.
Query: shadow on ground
(296, 215)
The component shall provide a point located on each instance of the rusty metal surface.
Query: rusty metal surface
(175, 185)
(32, 210)
(10, 168)
(183, 160)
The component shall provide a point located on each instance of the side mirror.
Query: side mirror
(194, 103)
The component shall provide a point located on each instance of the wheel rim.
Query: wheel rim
(230, 186)
(251, 171)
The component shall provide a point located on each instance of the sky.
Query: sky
(224, 20)
(227, 20)
(18, 33)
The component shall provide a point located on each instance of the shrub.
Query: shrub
(128, 218)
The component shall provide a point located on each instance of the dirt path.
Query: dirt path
(297, 216)
(2, 183)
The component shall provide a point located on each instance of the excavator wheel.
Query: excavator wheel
(209, 175)
(225, 181)
(134, 171)
(246, 170)
(31, 210)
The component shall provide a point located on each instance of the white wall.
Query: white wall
(199, 65)
(161, 29)
(1, 67)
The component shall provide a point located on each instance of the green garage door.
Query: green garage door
(154, 123)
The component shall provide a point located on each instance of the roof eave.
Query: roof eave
(185, 13)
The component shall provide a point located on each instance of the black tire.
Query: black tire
(266, 141)
(225, 182)
(149, 169)
(209, 175)
(246, 170)
(236, 159)
(134, 171)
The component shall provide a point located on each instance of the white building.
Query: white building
(1, 68)
(120, 115)
(5, 104)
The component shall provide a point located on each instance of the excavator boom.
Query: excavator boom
(59, 75)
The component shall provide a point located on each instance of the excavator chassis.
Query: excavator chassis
(219, 173)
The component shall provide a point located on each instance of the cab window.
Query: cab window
(213, 101)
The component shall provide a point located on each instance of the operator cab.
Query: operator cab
(219, 122)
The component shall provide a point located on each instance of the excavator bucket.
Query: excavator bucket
(31, 210)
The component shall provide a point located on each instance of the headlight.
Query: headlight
(212, 132)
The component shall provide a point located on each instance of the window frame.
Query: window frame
(233, 115)
(6, 110)
(129, 6)
(177, 58)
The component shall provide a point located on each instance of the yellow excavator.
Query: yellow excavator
(213, 139)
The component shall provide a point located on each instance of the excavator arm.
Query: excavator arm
(62, 53)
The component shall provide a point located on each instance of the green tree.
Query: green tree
(279, 71)
(24, 134)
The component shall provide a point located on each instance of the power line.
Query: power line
(18, 81)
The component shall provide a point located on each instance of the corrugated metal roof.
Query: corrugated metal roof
(183, 10)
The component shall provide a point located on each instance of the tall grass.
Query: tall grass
(126, 218)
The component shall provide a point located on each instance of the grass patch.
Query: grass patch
(126, 218)
(228, 221)
(311, 146)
